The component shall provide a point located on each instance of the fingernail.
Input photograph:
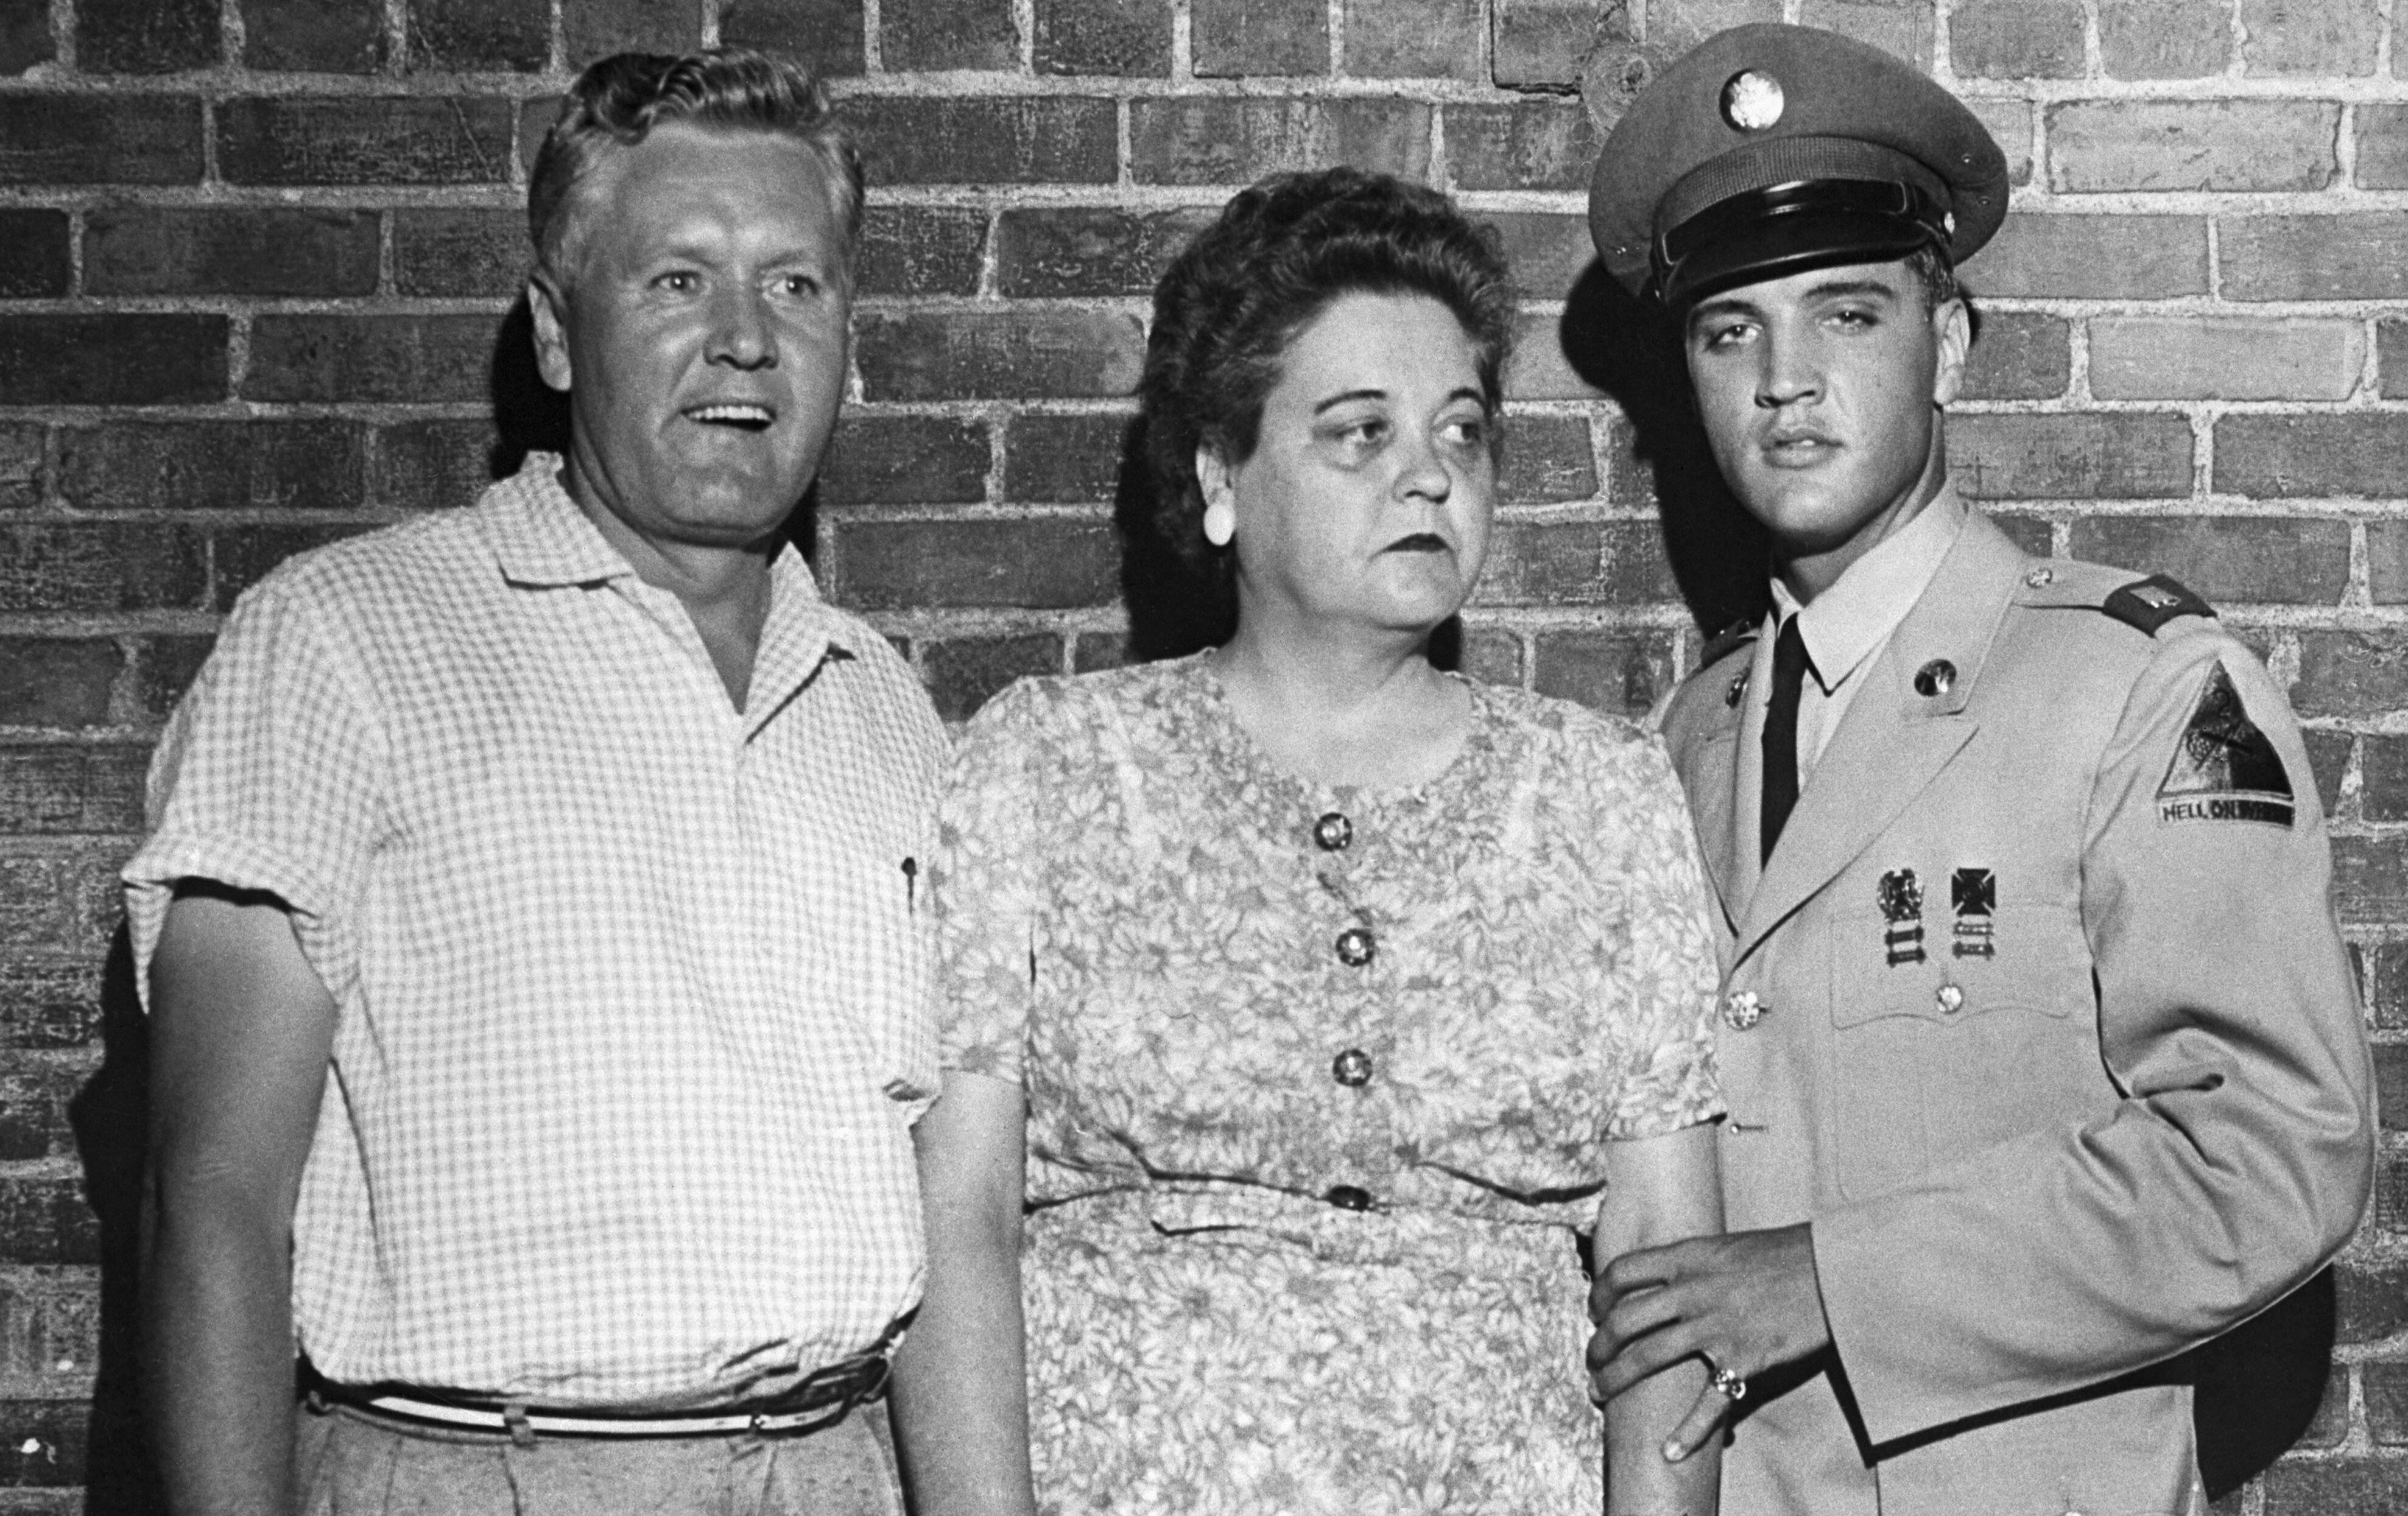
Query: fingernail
(1673, 1450)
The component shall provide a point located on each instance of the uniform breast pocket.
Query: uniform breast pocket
(1956, 1024)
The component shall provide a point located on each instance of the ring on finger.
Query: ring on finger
(1729, 1385)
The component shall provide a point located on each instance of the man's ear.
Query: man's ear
(549, 305)
(1952, 329)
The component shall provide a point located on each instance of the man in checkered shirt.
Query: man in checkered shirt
(529, 930)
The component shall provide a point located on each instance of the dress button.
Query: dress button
(1348, 1196)
(1352, 1068)
(1741, 1009)
(1333, 831)
(1354, 947)
(1951, 998)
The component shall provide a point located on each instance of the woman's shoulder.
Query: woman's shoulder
(1567, 733)
(1059, 712)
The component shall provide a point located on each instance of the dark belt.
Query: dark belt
(821, 1399)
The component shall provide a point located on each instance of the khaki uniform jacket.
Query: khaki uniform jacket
(2101, 1092)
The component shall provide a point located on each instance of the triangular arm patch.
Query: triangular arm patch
(2224, 769)
(2150, 603)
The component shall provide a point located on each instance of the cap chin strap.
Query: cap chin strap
(1763, 232)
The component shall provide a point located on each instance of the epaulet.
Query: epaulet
(1729, 639)
(2149, 604)
(2145, 604)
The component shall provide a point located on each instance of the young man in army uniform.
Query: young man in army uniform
(2041, 1045)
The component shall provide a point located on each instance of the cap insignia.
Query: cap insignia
(1753, 102)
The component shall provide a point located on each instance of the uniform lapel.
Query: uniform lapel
(1893, 742)
(1702, 730)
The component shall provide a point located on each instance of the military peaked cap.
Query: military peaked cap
(1770, 149)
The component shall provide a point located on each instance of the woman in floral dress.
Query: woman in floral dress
(1310, 999)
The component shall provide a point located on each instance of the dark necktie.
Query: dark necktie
(1780, 734)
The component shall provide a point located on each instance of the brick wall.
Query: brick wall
(256, 264)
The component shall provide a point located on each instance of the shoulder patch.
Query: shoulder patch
(2224, 769)
(2149, 604)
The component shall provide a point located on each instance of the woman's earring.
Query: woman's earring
(1220, 522)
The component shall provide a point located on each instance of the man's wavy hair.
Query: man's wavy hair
(619, 100)
(1282, 252)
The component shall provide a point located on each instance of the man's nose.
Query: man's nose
(1788, 372)
(742, 333)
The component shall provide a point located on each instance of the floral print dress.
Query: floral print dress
(1318, 1087)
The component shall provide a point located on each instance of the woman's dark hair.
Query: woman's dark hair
(1282, 252)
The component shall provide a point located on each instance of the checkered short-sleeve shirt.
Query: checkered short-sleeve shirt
(631, 1020)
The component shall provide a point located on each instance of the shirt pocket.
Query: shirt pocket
(1955, 1026)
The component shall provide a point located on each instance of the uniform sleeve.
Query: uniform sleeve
(2240, 1157)
(987, 885)
(1658, 1026)
(268, 777)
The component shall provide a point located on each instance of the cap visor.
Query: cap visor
(1784, 244)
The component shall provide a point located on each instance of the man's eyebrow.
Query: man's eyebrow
(1722, 306)
(1341, 398)
(1841, 289)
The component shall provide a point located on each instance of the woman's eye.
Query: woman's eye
(1368, 431)
(799, 284)
(1465, 431)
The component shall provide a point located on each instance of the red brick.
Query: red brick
(42, 1443)
(2020, 355)
(1095, 651)
(58, 790)
(2351, 257)
(260, 251)
(145, 36)
(1129, 38)
(49, 1005)
(920, 250)
(431, 464)
(594, 29)
(2382, 132)
(2124, 455)
(2227, 558)
(1540, 369)
(1541, 42)
(2383, 776)
(414, 358)
(2387, 996)
(99, 139)
(114, 567)
(2369, 879)
(2319, 37)
(244, 554)
(2016, 39)
(905, 460)
(2316, 454)
(464, 252)
(1066, 140)
(2350, 674)
(2328, 760)
(2093, 257)
(2387, 561)
(825, 35)
(164, 669)
(1548, 458)
(1620, 673)
(1237, 140)
(2336, 1487)
(962, 675)
(978, 354)
(1248, 39)
(470, 35)
(21, 465)
(914, 35)
(2010, 124)
(211, 466)
(1492, 656)
(112, 360)
(374, 139)
(57, 682)
(1413, 39)
(2193, 145)
(2391, 1085)
(2165, 39)
(1530, 145)
(35, 264)
(1576, 564)
(2374, 1298)
(332, 36)
(2387, 1402)
(1052, 563)
(24, 34)
(1900, 27)
(2225, 358)
(1078, 251)
(1048, 459)
(1546, 253)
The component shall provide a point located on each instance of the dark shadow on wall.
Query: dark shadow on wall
(110, 1116)
(1173, 609)
(1630, 349)
(2257, 1388)
(530, 416)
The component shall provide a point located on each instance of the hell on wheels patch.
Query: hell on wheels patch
(2224, 769)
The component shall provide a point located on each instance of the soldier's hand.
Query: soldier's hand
(1744, 1302)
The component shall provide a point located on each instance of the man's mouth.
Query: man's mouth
(742, 414)
(1797, 448)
